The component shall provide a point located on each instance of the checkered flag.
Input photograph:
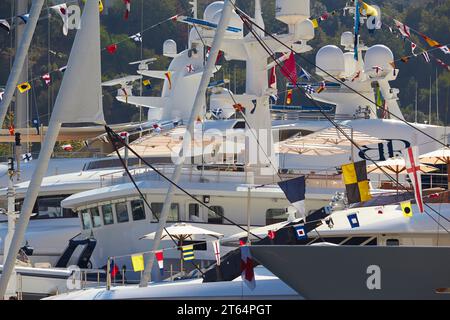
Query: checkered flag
(27, 157)
(309, 89)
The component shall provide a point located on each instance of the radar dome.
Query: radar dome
(305, 30)
(211, 10)
(292, 11)
(377, 61)
(170, 48)
(331, 59)
(347, 40)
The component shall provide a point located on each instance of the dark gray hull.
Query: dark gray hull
(353, 272)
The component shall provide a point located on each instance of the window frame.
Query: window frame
(144, 216)
(103, 213)
(125, 203)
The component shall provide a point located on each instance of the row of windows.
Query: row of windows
(93, 217)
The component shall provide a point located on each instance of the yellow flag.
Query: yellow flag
(138, 262)
(370, 11)
(24, 87)
(406, 209)
(315, 23)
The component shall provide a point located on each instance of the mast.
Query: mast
(197, 107)
(429, 105)
(437, 97)
(21, 102)
(77, 103)
(21, 54)
(415, 117)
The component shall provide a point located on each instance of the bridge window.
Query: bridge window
(216, 217)
(96, 220)
(122, 212)
(137, 210)
(276, 215)
(86, 221)
(392, 242)
(174, 214)
(107, 214)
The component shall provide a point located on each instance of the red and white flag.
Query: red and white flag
(127, 8)
(67, 147)
(413, 47)
(247, 265)
(273, 78)
(61, 9)
(403, 28)
(444, 49)
(413, 170)
(289, 69)
(160, 258)
(47, 79)
(216, 246)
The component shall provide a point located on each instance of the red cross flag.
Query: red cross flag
(413, 170)
(247, 275)
(216, 246)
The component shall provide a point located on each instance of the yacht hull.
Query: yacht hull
(352, 272)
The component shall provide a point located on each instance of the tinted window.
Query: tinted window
(121, 212)
(216, 217)
(173, 214)
(86, 219)
(276, 215)
(96, 220)
(392, 242)
(194, 212)
(107, 214)
(137, 210)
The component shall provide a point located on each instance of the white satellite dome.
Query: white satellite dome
(331, 59)
(211, 10)
(350, 64)
(292, 12)
(305, 30)
(378, 56)
(170, 48)
(347, 40)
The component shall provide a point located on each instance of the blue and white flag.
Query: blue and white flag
(309, 89)
(300, 232)
(353, 219)
(294, 189)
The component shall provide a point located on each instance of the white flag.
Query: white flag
(61, 9)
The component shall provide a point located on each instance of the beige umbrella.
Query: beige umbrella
(182, 232)
(333, 136)
(396, 166)
(440, 156)
(293, 146)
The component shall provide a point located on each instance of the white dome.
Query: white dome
(331, 59)
(347, 40)
(211, 10)
(292, 11)
(169, 47)
(350, 64)
(378, 56)
(305, 30)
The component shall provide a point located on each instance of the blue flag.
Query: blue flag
(294, 189)
(300, 232)
(353, 219)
